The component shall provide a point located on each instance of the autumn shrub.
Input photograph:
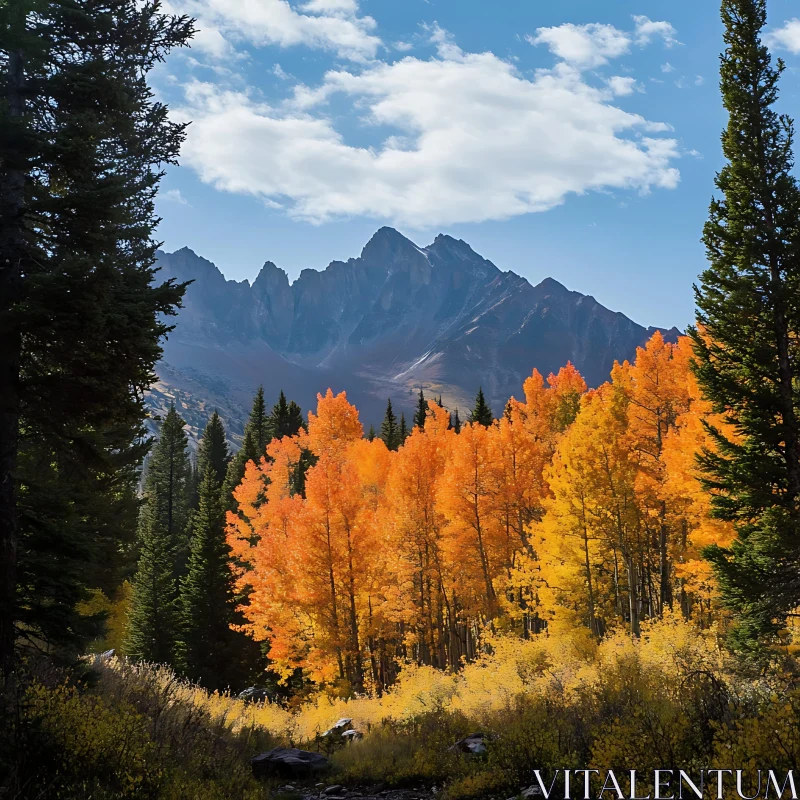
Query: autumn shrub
(88, 746)
(768, 738)
(121, 738)
(557, 700)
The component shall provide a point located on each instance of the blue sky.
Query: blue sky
(576, 139)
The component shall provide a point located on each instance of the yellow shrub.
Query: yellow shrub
(90, 741)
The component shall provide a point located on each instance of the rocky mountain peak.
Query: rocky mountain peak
(456, 255)
(395, 319)
(550, 286)
(388, 248)
(270, 276)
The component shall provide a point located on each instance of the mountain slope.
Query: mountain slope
(397, 318)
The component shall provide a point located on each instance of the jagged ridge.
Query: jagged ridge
(396, 318)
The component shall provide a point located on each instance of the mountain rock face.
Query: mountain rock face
(396, 319)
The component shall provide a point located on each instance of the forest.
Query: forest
(598, 578)
(355, 554)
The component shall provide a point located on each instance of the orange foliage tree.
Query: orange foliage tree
(583, 506)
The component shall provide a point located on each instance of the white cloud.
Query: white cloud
(331, 6)
(595, 44)
(324, 24)
(585, 46)
(699, 80)
(403, 47)
(666, 68)
(647, 30)
(445, 43)
(174, 196)
(786, 38)
(469, 139)
(279, 72)
(621, 86)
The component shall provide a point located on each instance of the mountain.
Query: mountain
(396, 319)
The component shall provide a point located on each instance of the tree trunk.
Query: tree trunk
(633, 596)
(587, 564)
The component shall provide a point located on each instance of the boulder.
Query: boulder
(334, 791)
(254, 694)
(288, 762)
(474, 744)
(352, 735)
(342, 725)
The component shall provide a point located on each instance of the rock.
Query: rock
(474, 744)
(531, 791)
(254, 694)
(287, 761)
(339, 728)
(334, 791)
(103, 658)
(352, 735)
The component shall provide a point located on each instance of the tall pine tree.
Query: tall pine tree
(213, 450)
(82, 150)
(167, 484)
(481, 413)
(422, 411)
(286, 419)
(746, 344)
(206, 651)
(260, 423)
(390, 432)
(153, 620)
(256, 437)
(163, 545)
(403, 429)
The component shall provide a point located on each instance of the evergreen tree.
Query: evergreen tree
(481, 413)
(746, 341)
(371, 435)
(193, 484)
(82, 151)
(286, 419)
(153, 619)
(167, 486)
(206, 648)
(403, 430)
(421, 412)
(260, 423)
(162, 544)
(456, 422)
(254, 445)
(307, 460)
(213, 450)
(279, 417)
(390, 432)
(296, 421)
